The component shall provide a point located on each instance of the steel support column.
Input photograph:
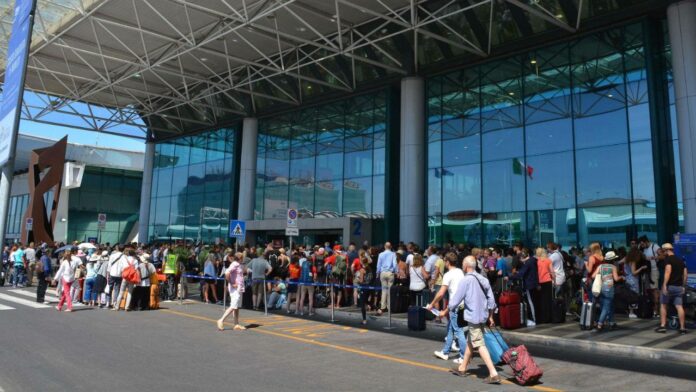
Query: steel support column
(681, 19)
(412, 161)
(247, 169)
(145, 193)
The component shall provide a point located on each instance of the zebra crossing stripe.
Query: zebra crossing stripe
(47, 297)
(4, 307)
(22, 301)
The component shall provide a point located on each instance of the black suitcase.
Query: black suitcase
(558, 311)
(248, 298)
(398, 299)
(416, 318)
(645, 307)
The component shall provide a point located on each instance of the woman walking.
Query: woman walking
(546, 278)
(609, 276)
(234, 277)
(65, 277)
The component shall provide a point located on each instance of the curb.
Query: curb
(579, 345)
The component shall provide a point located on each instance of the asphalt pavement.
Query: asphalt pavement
(178, 349)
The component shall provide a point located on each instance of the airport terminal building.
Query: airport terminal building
(433, 121)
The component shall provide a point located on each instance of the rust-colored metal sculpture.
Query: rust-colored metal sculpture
(53, 159)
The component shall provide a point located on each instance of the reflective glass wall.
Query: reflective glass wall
(192, 187)
(113, 192)
(326, 161)
(554, 144)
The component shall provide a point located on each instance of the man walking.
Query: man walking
(386, 268)
(450, 283)
(260, 268)
(475, 293)
(673, 288)
(19, 267)
(234, 277)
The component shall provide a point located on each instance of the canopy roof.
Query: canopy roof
(175, 66)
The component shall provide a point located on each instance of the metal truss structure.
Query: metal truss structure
(173, 66)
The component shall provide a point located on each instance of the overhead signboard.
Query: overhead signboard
(292, 217)
(237, 228)
(15, 70)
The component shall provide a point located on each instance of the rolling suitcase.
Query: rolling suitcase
(558, 309)
(524, 368)
(495, 344)
(398, 298)
(587, 316)
(416, 318)
(510, 316)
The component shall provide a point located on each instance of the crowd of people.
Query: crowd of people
(459, 281)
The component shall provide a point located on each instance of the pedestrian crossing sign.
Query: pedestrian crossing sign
(237, 228)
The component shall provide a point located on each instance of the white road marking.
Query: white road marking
(3, 307)
(22, 301)
(47, 297)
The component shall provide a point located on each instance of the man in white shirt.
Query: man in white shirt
(114, 279)
(450, 282)
(30, 255)
(650, 251)
(557, 263)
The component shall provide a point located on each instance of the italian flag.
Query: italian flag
(520, 168)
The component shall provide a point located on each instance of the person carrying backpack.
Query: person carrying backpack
(308, 276)
(338, 274)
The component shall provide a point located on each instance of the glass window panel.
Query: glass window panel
(461, 190)
(302, 170)
(503, 188)
(558, 226)
(501, 144)
(435, 154)
(329, 167)
(378, 197)
(301, 197)
(178, 180)
(199, 149)
(182, 152)
(461, 151)
(549, 136)
(504, 228)
(643, 173)
(357, 197)
(275, 202)
(552, 185)
(611, 226)
(379, 161)
(603, 176)
(639, 122)
(601, 129)
(164, 182)
(327, 199)
(358, 164)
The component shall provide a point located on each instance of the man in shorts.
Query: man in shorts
(673, 288)
(475, 293)
(260, 269)
(234, 276)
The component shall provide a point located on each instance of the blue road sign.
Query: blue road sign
(15, 70)
(237, 228)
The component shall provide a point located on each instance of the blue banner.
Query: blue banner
(15, 70)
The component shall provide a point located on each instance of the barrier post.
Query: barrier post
(265, 302)
(224, 293)
(389, 308)
(333, 320)
(182, 281)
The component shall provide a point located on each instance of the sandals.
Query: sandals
(220, 326)
(492, 380)
(455, 370)
(239, 328)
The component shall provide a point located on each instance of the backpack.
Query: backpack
(339, 270)
(273, 260)
(39, 267)
(131, 274)
(306, 271)
(319, 265)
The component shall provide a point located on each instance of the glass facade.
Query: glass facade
(17, 208)
(326, 161)
(554, 144)
(192, 187)
(113, 192)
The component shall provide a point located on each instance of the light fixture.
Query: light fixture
(332, 20)
(610, 95)
(511, 93)
(204, 59)
(384, 31)
(137, 75)
(301, 29)
(533, 61)
(63, 220)
(323, 129)
(309, 87)
(234, 40)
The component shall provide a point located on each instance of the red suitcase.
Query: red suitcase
(509, 298)
(523, 366)
(510, 316)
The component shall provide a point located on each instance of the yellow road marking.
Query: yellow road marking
(351, 350)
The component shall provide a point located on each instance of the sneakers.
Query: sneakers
(441, 355)
(632, 315)
(455, 347)
(530, 324)
(458, 361)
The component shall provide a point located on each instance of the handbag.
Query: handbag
(130, 274)
(597, 284)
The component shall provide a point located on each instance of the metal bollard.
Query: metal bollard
(333, 320)
(224, 294)
(182, 281)
(265, 302)
(389, 308)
